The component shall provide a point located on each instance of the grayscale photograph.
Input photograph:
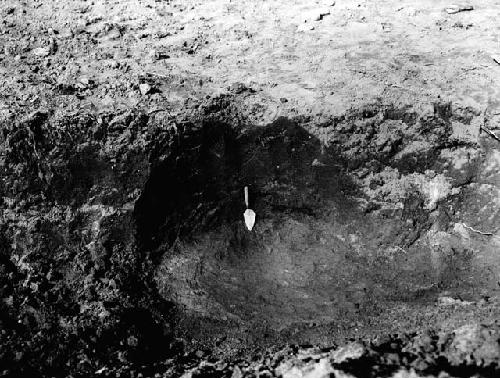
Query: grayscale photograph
(250, 188)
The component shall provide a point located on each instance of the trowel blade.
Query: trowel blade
(249, 216)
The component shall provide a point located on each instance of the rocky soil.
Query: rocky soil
(367, 133)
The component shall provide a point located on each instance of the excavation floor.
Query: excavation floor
(345, 231)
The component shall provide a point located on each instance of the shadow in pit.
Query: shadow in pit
(199, 185)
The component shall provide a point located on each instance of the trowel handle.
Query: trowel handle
(246, 196)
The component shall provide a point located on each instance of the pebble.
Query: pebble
(321, 14)
(41, 51)
(144, 88)
(316, 15)
(84, 80)
(305, 27)
(351, 351)
(158, 55)
(317, 163)
(237, 373)
(449, 301)
(454, 8)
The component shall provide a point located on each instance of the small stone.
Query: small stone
(158, 55)
(316, 15)
(41, 51)
(352, 351)
(305, 27)
(101, 370)
(445, 301)
(151, 56)
(144, 88)
(237, 372)
(132, 341)
(454, 8)
(321, 14)
(84, 80)
(317, 163)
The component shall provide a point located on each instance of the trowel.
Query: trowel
(249, 214)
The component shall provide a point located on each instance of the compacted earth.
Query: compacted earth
(366, 132)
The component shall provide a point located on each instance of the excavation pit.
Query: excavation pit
(378, 221)
(368, 136)
(353, 218)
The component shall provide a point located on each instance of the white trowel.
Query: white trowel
(249, 214)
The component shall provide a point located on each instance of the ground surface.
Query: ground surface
(130, 128)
